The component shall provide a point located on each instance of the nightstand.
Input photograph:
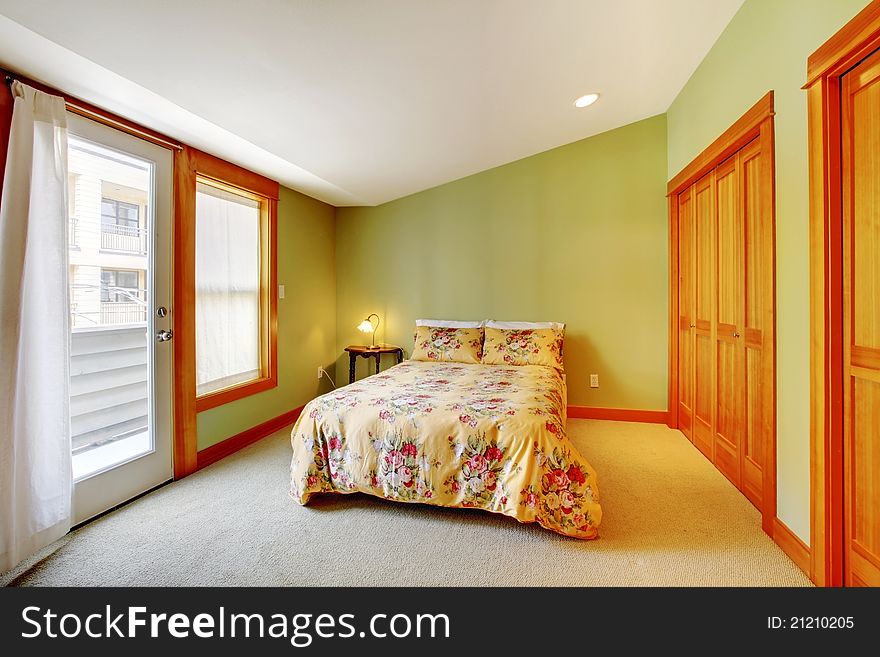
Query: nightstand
(370, 352)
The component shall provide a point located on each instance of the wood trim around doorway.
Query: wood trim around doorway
(756, 123)
(825, 67)
(750, 125)
(744, 129)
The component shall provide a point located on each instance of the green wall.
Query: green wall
(306, 320)
(766, 47)
(576, 234)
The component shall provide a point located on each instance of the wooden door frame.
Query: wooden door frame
(825, 67)
(757, 122)
(187, 163)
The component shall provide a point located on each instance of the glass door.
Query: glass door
(120, 207)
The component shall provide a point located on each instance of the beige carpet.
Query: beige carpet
(669, 519)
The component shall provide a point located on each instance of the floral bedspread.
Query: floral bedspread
(458, 435)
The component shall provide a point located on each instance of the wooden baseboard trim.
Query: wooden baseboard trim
(619, 414)
(247, 437)
(793, 546)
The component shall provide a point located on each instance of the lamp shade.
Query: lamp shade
(366, 326)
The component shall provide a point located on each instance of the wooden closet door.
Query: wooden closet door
(686, 321)
(725, 368)
(704, 299)
(756, 340)
(728, 344)
(860, 123)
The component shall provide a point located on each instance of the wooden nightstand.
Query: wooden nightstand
(370, 352)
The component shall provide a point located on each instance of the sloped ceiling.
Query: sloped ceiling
(358, 102)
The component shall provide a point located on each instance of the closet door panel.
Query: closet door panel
(686, 313)
(758, 424)
(728, 360)
(704, 369)
(726, 327)
(860, 109)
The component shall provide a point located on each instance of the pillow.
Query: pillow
(448, 344)
(526, 325)
(447, 323)
(542, 346)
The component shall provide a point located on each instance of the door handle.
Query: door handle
(736, 334)
(164, 335)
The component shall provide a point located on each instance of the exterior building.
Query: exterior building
(108, 240)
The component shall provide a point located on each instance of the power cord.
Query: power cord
(332, 382)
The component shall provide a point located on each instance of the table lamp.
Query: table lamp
(366, 326)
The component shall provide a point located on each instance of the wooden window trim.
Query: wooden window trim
(184, 443)
(187, 161)
(6, 105)
(825, 68)
(191, 164)
(756, 123)
(268, 304)
(93, 112)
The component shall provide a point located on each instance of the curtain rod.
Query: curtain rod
(106, 118)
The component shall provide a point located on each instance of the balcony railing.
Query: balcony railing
(117, 312)
(109, 395)
(128, 239)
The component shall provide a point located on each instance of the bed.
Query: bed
(489, 437)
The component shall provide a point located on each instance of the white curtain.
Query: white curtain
(227, 288)
(35, 462)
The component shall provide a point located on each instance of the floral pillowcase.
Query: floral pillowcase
(448, 345)
(523, 347)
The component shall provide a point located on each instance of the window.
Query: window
(123, 296)
(121, 228)
(119, 286)
(234, 292)
(119, 213)
(220, 207)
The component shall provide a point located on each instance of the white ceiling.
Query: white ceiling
(358, 102)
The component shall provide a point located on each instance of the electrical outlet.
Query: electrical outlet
(594, 380)
(320, 372)
(281, 291)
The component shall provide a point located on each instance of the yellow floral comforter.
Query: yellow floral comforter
(452, 434)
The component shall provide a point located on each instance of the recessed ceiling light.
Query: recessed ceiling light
(584, 101)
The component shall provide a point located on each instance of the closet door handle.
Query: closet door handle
(736, 334)
(693, 325)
